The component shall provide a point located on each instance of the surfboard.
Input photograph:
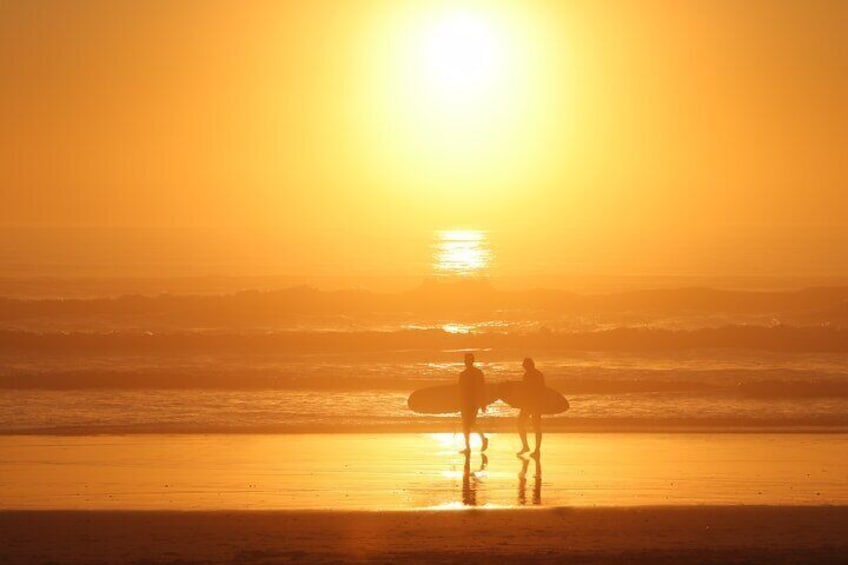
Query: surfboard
(517, 395)
(443, 399)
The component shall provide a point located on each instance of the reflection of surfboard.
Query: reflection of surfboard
(443, 399)
(517, 395)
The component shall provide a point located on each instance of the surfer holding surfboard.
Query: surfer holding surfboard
(530, 395)
(534, 383)
(472, 392)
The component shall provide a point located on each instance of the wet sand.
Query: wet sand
(643, 498)
(417, 471)
(704, 534)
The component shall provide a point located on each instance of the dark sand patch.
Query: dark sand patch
(700, 534)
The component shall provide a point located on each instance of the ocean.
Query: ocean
(303, 360)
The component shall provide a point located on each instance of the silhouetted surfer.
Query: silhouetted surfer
(534, 381)
(472, 392)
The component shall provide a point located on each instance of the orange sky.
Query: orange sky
(614, 137)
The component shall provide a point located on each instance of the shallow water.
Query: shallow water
(356, 378)
(280, 411)
(335, 392)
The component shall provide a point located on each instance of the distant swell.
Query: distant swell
(777, 338)
(170, 380)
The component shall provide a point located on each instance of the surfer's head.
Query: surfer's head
(469, 359)
(528, 364)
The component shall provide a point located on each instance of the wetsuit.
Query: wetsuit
(534, 380)
(534, 383)
(471, 391)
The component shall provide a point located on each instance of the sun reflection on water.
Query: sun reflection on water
(457, 328)
(461, 252)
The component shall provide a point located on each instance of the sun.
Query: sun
(459, 102)
(461, 56)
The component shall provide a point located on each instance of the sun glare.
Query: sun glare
(461, 100)
(461, 56)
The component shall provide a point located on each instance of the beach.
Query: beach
(690, 534)
(265, 266)
(410, 472)
(382, 497)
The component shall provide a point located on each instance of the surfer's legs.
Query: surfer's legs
(469, 419)
(484, 441)
(537, 426)
(469, 424)
(522, 430)
(467, 449)
(466, 433)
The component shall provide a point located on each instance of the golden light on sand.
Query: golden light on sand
(461, 253)
(453, 442)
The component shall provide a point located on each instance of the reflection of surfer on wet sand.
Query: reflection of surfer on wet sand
(537, 482)
(470, 480)
(472, 391)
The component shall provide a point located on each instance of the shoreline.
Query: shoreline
(506, 427)
(651, 534)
